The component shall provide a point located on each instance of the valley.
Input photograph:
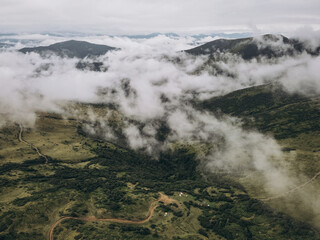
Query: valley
(100, 179)
(141, 141)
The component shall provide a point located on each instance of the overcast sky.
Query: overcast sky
(145, 16)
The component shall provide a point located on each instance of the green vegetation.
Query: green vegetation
(274, 111)
(292, 119)
(117, 182)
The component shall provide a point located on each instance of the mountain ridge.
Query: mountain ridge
(71, 49)
(268, 45)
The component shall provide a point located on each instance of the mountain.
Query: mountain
(60, 180)
(197, 36)
(223, 35)
(71, 49)
(264, 46)
(5, 45)
(151, 35)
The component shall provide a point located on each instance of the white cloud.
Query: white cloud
(150, 85)
(127, 16)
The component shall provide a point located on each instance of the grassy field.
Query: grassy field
(87, 176)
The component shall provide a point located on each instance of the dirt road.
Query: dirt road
(30, 144)
(163, 198)
(293, 189)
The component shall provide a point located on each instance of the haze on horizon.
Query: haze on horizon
(145, 16)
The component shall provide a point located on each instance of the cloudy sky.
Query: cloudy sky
(145, 16)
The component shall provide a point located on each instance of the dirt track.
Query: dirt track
(163, 198)
(293, 189)
(30, 144)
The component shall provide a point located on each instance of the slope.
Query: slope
(293, 120)
(108, 181)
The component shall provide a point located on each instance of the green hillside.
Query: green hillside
(269, 45)
(89, 177)
(293, 120)
(273, 110)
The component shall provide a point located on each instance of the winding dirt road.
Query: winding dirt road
(163, 198)
(293, 189)
(31, 145)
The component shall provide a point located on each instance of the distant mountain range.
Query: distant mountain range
(223, 35)
(72, 48)
(197, 36)
(5, 45)
(151, 35)
(267, 46)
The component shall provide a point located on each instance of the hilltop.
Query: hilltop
(71, 49)
(268, 45)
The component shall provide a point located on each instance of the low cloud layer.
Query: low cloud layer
(151, 83)
(147, 78)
